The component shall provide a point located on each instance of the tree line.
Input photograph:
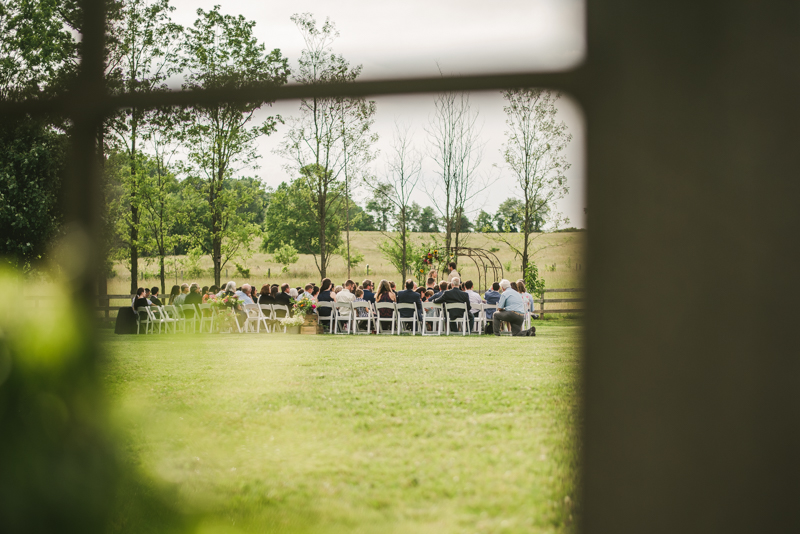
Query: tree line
(182, 180)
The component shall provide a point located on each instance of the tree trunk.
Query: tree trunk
(135, 216)
(163, 276)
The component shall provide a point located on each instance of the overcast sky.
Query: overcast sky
(416, 38)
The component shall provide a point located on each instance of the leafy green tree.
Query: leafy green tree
(158, 189)
(484, 222)
(222, 52)
(360, 219)
(144, 44)
(535, 151)
(381, 206)
(292, 217)
(286, 255)
(428, 222)
(510, 215)
(32, 158)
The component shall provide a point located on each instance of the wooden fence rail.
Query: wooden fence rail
(546, 300)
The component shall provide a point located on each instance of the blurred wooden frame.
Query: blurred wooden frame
(691, 405)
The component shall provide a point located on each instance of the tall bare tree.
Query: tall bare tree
(535, 152)
(403, 171)
(330, 141)
(456, 148)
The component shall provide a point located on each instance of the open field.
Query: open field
(275, 433)
(564, 250)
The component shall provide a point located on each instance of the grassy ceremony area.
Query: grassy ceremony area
(274, 433)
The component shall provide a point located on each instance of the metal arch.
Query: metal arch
(487, 260)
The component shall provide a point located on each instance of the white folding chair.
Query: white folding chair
(526, 322)
(380, 320)
(280, 311)
(267, 316)
(155, 317)
(480, 317)
(486, 309)
(143, 317)
(463, 320)
(433, 315)
(189, 314)
(407, 320)
(206, 317)
(253, 322)
(344, 314)
(330, 319)
(169, 316)
(368, 318)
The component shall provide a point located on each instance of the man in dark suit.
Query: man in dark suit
(368, 286)
(409, 296)
(284, 298)
(154, 297)
(438, 292)
(455, 295)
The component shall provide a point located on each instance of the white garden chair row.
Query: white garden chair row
(204, 318)
(344, 318)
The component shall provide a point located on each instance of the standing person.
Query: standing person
(492, 296)
(369, 287)
(510, 309)
(154, 297)
(455, 296)
(409, 296)
(474, 298)
(174, 292)
(453, 273)
(182, 297)
(433, 275)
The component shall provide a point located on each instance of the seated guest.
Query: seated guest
(213, 290)
(527, 298)
(154, 297)
(474, 298)
(284, 298)
(266, 295)
(431, 284)
(307, 293)
(368, 286)
(293, 293)
(244, 294)
(421, 291)
(336, 291)
(409, 296)
(174, 292)
(510, 309)
(394, 287)
(194, 296)
(314, 294)
(203, 291)
(147, 295)
(492, 297)
(346, 293)
(455, 296)
(442, 289)
(325, 295)
(140, 301)
(385, 294)
(182, 297)
(361, 312)
(230, 289)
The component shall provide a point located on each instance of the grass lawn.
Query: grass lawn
(276, 433)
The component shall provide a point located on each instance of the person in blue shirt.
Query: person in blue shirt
(510, 309)
(367, 286)
(244, 294)
(492, 296)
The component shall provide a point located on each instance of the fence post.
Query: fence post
(541, 304)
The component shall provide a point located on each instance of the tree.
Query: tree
(457, 150)
(400, 179)
(534, 151)
(32, 158)
(484, 222)
(381, 207)
(222, 52)
(286, 255)
(144, 44)
(509, 216)
(428, 221)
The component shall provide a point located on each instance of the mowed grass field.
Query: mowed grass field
(561, 262)
(281, 433)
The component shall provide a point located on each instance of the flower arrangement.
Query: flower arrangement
(303, 307)
(297, 320)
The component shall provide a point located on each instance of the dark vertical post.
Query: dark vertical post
(692, 405)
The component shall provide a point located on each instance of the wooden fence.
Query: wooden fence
(546, 300)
